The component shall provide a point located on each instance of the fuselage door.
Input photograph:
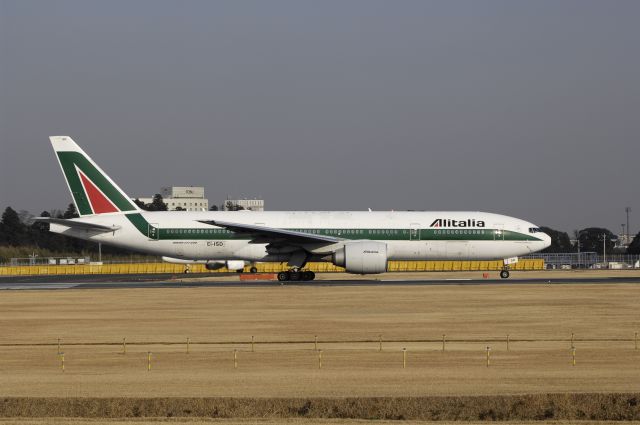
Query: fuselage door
(414, 232)
(153, 232)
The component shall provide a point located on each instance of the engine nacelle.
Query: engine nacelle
(362, 257)
(235, 264)
(231, 265)
(214, 265)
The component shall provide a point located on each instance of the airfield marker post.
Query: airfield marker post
(380, 342)
(235, 359)
(507, 342)
(124, 345)
(319, 359)
(444, 341)
(252, 350)
(488, 356)
(404, 358)
(148, 361)
(188, 344)
(62, 361)
(573, 356)
(315, 343)
(58, 345)
(571, 339)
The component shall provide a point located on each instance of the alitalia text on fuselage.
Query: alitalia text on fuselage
(446, 222)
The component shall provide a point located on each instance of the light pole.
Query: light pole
(627, 210)
(604, 248)
(624, 236)
(581, 258)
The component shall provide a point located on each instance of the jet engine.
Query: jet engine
(362, 257)
(214, 265)
(230, 264)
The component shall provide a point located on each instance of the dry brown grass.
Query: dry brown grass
(603, 318)
(267, 421)
(488, 408)
(340, 313)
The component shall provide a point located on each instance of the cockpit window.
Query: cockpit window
(535, 230)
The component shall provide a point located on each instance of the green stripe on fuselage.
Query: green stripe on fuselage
(139, 221)
(373, 234)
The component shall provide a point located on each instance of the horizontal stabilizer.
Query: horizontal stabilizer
(77, 224)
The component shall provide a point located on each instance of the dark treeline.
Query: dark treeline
(591, 239)
(20, 236)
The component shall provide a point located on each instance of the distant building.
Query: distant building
(188, 198)
(243, 204)
(623, 240)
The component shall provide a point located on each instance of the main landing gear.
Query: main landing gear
(296, 275)
(504, 273)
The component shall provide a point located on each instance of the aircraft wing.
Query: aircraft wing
(78, 224)
(262, 234)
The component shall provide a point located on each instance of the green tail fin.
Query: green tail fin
(92, 190)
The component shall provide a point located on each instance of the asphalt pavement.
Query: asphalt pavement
(179, 281)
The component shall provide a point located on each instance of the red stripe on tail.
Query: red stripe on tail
(99, 203)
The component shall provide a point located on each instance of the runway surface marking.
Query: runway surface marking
(40, 286)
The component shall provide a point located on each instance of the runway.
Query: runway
(217, 280)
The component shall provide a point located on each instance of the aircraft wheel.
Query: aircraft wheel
(283, 276)
(504, 274)
(308, 275)
(295, 276)
(253, 269)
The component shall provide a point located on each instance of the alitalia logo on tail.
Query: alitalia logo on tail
(92, 190)
(100, 204)
(446, 222)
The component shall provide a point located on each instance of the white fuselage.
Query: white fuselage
(408, 235)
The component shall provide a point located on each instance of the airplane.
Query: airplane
(362, 242)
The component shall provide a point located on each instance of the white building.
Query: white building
(246, 204)
(188, 198)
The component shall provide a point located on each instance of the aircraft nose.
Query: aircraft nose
(546, 241)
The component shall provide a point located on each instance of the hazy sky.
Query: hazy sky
(527, 108)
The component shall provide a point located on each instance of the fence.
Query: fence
(587, 260)
(48, 261)
(75, 259)
(505, 343)
(169, 268)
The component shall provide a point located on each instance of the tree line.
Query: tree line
(21, 236)
(591, 239)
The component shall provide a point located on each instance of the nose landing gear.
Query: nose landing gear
(507, 262)
(296, 276)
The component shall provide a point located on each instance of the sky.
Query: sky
(524, 108)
